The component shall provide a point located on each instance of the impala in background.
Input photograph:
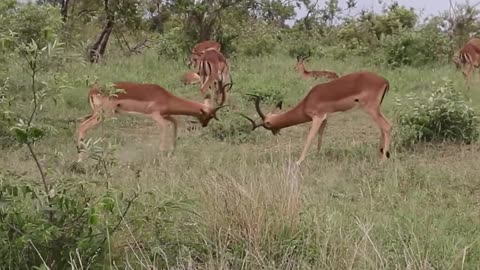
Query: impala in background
(300, 67)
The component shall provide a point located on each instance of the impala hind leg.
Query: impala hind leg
(162, 124)
(467, 74)
(386, 129)
(320, 135)
(316, 124)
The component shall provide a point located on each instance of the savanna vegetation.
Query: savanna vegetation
(229, 197)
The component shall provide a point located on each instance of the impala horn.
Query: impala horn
(224, 92)
(257, 106)
(308, 55)
(254, 125)
(215, 111)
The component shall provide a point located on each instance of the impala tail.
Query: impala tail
(387, 87)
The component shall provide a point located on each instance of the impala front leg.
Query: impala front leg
(385, 129)
(320, 135)
(467, 74)
(163, 126)
(206, 84)
(89, 123)
(175, 126)
(316, 124)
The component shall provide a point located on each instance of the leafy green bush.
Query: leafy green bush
(231, 128)
(172, 44)
(40, 23)
(258, 39)
(299, 42)
(444, 115)
(415, 48)
(269, 95)
(38, 229)
(6, 117)
(393, 20)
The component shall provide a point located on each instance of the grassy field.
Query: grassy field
(241, 203)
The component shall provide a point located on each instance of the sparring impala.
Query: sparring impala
(213, 68)
(200, 48)
(147, 99)
(300, 67)
(363, 89)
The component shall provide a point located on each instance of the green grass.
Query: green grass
(244, 205)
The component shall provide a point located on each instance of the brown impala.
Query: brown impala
(469, 55)
(300, 67)
(148, 99)
(363, 89)
(213, 68)
(200, 48)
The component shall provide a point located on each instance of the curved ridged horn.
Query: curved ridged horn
(254, 125)
(257, 106)
(224, 92)
(215, 111)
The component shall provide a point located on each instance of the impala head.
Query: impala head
(300, 59)
(268, 120)
(194, 57)
(208, 111)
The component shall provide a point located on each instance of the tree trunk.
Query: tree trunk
(97, 50)
(64, 10)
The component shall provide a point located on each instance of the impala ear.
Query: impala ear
(279, 105)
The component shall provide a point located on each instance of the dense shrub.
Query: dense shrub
(299, 42)
(40, 23)
(444, 115)
(415, 48)
(258, 39)
(172, 44)
(231, 128)
(6, 117)
(38, 228)
(393, 20)
(269, 95)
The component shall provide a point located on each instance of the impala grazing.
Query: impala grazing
(200, 48)
(213, 68)
(468, 55)
(190, 77)
(365, 89)
(300, 67)
(147, 99)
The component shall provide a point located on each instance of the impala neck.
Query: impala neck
(303, 71)
(292, 117)
(180, 106)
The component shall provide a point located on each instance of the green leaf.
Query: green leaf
(21, 136)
